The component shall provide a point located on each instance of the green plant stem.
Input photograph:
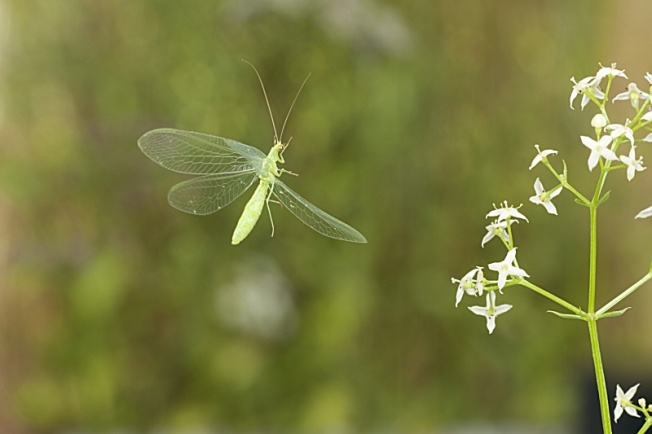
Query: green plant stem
(599, 375)
(593, 253)
(552, 297)
(564, 183)
(646, 426)
(591, 318)
(624, 294)
(575, 192)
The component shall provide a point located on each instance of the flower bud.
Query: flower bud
(598, 121)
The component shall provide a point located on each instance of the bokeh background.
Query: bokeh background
(120, 314)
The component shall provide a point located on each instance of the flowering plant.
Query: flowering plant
(607, 154)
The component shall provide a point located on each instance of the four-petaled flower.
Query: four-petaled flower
(541, 155)
(633, 94)
(617, 130)
(507, 268)
(584, 86)
(506, 211)
(598, 149)
(490, 311)
(609, 71)
(624, 402)
(542, 197)
(633, 164)
(469, 285)
(496, 228)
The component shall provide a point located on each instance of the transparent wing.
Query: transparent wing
(312, 216)
(210, 193)
(197, 153)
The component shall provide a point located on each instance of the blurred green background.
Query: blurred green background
(119, 312)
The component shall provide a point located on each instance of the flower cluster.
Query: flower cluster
(612, 147)
(609, 136)
(605, 152)
(474, 282)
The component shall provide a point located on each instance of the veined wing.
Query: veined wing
(312, 216)
(197, 153)
(209, 193)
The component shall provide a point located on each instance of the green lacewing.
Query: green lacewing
(227, 168)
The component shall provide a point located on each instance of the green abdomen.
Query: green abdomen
(251, 213)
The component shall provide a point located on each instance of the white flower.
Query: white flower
(541, 155)
(648, 138)
(633, 94)
(490, 311)
(496, 228)
(506, 268)
(647, 212)
(506, 211)
(609, 71)
(598, 149)
(618, 130)
(581, 87)
(624, 402)
(469, 285)
(633, 164)
(647, 117)
(648, 77)
(542, 197)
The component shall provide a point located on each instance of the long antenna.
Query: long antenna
(292, 106)
(271, 116)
